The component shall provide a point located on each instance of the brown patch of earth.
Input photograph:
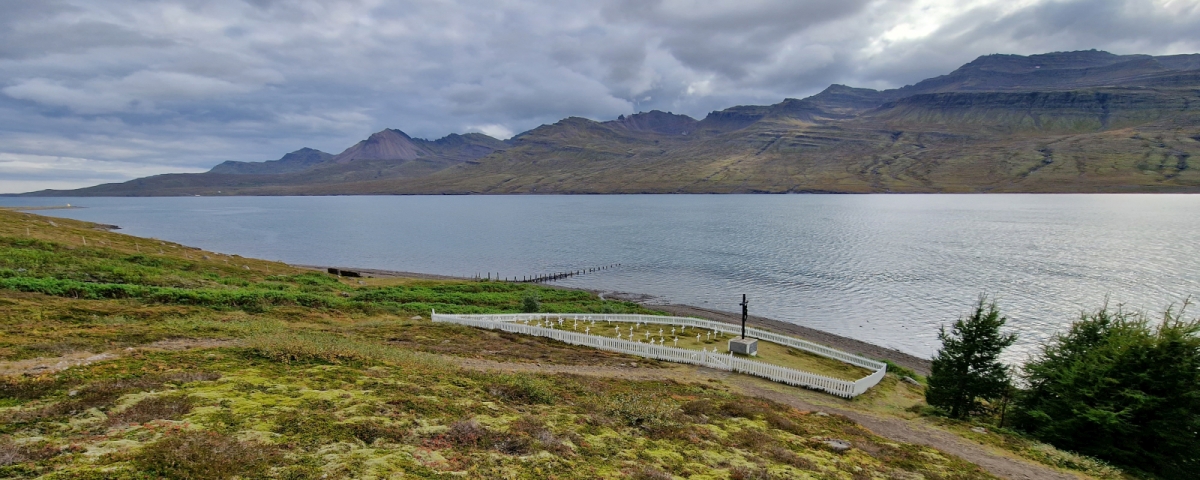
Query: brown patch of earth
(44, 365)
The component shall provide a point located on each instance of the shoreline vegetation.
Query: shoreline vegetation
(127, 357)
(847, 344)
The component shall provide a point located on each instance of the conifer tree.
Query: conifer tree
(1121, 388)
(968, 368)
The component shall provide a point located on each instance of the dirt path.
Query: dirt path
(44, 365)
(996, 462)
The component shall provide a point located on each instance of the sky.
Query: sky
(97, 92)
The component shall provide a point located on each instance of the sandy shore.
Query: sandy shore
(846, 344)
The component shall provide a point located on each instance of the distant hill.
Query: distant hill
(296, 161)
(1087, 121)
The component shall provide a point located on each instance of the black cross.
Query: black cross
(745, 305)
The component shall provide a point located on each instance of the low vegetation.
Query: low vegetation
(133, 358)
(1116, 387)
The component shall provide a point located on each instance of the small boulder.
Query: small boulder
(978, 429)
(908, 379)
(837, 445)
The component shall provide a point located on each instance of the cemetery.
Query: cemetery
(696, 341)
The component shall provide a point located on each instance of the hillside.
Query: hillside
(1083, 121)
(125, 358)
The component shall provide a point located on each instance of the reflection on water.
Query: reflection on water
(888, 269)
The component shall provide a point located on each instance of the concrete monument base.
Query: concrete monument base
(744, 346)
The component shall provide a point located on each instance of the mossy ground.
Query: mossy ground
(328, 378)
(313, 418)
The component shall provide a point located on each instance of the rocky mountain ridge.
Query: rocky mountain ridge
(1085, 121)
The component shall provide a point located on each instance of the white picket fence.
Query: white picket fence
(842, 388)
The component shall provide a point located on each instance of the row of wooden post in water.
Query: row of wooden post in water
(542, 278)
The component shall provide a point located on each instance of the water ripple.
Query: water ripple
(888, 269)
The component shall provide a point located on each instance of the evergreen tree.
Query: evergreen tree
(967, 368)
(1118, 388)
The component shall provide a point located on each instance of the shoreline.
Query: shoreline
(846, 344)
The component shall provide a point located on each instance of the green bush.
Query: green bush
(1120, 389)
(530, 303)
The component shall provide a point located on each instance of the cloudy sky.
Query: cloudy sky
(94, 92)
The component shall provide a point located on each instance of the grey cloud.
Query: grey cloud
(21, 41)
(190, 83)
(729, 38)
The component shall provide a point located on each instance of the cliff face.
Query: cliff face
(1071, 111)
(1059, 122)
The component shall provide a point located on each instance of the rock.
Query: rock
(415, 317)
(978, 429)
(908, 379)
(821, 414)
(837, 445)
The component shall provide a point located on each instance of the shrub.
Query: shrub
(1120, 389)
(11, 454)
(522, 388)
(967, 368)
(747, 473)
(300, 346)
(167, 407)
(371, 430)
(783, 455)
(530, 303)
(309, 428)
(191, 454)
(468, 433)
(650, 473)
(20, 389)
(900, 371)
(637, 410)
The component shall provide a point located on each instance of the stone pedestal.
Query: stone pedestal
(744, 346)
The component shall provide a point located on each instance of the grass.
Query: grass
(768, 352)
(357, 387)
(310, 418)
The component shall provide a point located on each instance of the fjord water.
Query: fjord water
(887, 269)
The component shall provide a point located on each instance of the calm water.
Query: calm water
(882, 268)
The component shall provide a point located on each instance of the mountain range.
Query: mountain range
(1085, 121)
